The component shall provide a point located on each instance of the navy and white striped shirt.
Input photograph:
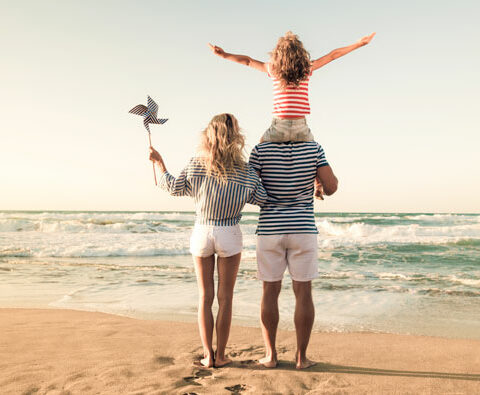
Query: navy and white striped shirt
(216, 203)
(288, 172)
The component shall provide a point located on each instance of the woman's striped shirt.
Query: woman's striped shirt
(291, 102)
(288, 172)
(216, 203)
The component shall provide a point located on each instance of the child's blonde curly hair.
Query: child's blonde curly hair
(290, 61)
(221, 146)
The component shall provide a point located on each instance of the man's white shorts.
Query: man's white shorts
(224, 241)
(297, 251)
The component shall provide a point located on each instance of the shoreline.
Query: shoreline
(55, 350)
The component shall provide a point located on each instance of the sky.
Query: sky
(398, 119)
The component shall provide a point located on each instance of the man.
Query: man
(287, 235)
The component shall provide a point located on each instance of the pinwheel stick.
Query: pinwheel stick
(153, 163)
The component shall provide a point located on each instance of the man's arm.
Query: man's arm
(242, 59)
(327, 179)
(339, 52)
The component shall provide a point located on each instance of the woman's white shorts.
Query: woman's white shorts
(224, 241)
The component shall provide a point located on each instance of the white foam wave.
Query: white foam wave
(334, 235)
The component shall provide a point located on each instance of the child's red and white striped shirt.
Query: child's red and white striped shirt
(291, 102)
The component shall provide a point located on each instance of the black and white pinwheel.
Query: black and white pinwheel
(149, 114)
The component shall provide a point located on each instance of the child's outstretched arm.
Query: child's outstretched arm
(337, 53)
(242, 59)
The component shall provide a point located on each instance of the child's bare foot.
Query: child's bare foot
(269, 362)
(304, 363)
(219, 362)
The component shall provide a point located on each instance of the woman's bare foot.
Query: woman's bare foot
(304, 363)
(208, 361)
(270, 361)
(219, 362)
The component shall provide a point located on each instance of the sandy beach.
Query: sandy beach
(54, 351)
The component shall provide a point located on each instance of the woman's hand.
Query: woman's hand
(216, 50)
(365, 40)
(318, 190)
(154, 155)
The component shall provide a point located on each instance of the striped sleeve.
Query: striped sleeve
(258, 196)
(321, 159)
(179, 186)
(254, 160)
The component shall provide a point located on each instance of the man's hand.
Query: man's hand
(365, 40)
(216, 50)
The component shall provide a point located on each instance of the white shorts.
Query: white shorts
(282, 130)
(297, 251)
(224, 241)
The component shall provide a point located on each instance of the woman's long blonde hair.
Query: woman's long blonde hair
(290, 61)
(221, 146)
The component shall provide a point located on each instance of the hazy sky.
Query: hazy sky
(398, 119)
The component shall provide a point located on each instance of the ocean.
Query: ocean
(403, 273)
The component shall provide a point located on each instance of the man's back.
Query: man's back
(288, 172)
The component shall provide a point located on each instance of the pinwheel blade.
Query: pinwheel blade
(159, 121)
(145, 123)
(152, 107)
(138, 110)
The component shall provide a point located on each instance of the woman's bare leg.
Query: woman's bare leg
(204, 268)
(227, 275)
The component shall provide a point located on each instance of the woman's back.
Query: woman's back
(218, 201)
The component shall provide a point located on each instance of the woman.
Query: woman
(221, 182)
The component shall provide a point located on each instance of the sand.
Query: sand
(50, 351)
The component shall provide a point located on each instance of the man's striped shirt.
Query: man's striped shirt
(216, 202)
(288, 172)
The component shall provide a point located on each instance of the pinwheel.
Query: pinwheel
(149, 114)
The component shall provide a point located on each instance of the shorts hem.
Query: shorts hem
(262, 278)
(229, 254)
(304, 279)
(200, 255)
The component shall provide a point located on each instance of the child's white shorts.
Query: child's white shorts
(224, 241)
(283, 130)
(297, 251)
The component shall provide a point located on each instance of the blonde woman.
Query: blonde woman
(221, 182)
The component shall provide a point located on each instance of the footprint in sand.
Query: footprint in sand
(237, 388)
(248, 362)
(161, 360)
(197, 375)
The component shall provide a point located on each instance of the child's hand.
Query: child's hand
(154, 155)
(216, 50)
(365, 40)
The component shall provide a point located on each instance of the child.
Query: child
(290, 69)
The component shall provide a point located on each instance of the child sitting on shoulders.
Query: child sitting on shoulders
(290, 69)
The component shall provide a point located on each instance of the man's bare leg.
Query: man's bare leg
(304, 317)
(204, 268)
(227, 275)
(269, 318)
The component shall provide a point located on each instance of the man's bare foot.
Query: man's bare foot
(304, 363)
(208, 361)
(269, 362)
(219, 362)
